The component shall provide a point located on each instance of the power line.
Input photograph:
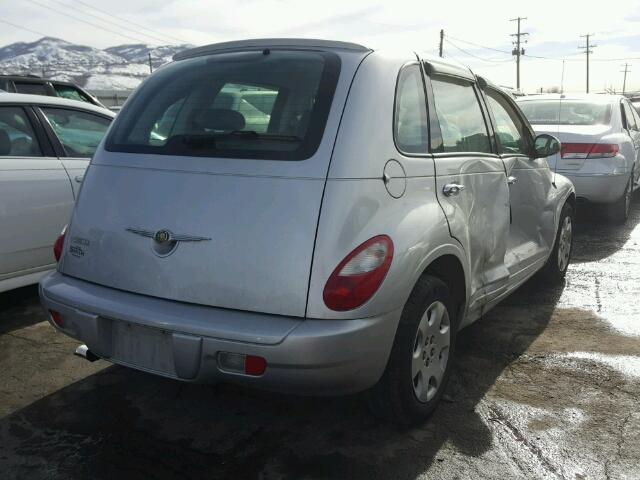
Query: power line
(109, 22)
(478, 45)
(472, 55)
(85, 21)
(130, 22)
(24, 28)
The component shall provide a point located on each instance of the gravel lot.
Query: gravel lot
(547, 385)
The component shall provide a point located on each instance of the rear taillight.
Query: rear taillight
(604, 150)
(359, 275)
(56, 318)
(589, 150)
(57, 247)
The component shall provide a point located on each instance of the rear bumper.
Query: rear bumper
(304, 356)
(600, 187)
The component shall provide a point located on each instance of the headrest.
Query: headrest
(221, 119)
(5, 143)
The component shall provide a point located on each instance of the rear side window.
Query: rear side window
(70, 92)
(31, 88)
(254, 104)
(410, 121)
(460, 117)
(17, 138)
(79, 133)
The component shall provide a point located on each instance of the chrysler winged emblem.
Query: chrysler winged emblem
(165, 236)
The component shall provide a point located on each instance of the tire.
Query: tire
(619, 211)
(396, 396)
(558, 262)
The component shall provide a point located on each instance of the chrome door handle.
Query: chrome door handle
(452, 189)
(512, 180)
(79, 178)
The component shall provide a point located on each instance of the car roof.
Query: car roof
(36, 79)
(438, 65)
(593, 97)
(27, 99)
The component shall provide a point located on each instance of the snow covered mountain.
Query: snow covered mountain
(121, 67)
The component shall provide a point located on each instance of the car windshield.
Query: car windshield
(257, 104)
(570, 112)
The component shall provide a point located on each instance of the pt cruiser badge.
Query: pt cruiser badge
(165, 236)
(165, 242)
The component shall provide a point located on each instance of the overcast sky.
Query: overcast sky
(554, 26)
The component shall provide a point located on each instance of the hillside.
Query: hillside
(120, 67)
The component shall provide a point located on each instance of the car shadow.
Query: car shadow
(596, 237)
(20, 308)
(120, 423)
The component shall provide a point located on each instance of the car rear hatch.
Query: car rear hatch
(577, 122)
(209, 185)
(571, 158)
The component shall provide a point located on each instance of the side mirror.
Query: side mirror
(546, 145)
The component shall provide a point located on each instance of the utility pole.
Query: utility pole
(150, 66)
(518, 50)
(441, 41)
(624, 82)
(587, 49)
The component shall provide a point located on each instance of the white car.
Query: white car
(45, 147)
(600, 137)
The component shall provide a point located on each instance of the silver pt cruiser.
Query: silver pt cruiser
(307, 216)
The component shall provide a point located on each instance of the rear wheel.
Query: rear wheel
(421, 357)
(558, 262)
(619, 211)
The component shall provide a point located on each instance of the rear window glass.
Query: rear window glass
(70, 92)
(270, 104)
(31, 88)
(572, 112)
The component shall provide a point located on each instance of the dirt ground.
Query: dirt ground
(547, 385)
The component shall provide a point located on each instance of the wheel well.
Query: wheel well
(572, 200)
(449, 269)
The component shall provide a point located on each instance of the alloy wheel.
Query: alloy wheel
(431, 351)
(564, 244)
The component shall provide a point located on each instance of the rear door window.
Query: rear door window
(79, 132)
(410, 120)
(31, 88)
(17, 138)
(460, 116)
(266, 104)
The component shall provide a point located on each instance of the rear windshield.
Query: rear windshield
(266, 104)
(571, 112)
